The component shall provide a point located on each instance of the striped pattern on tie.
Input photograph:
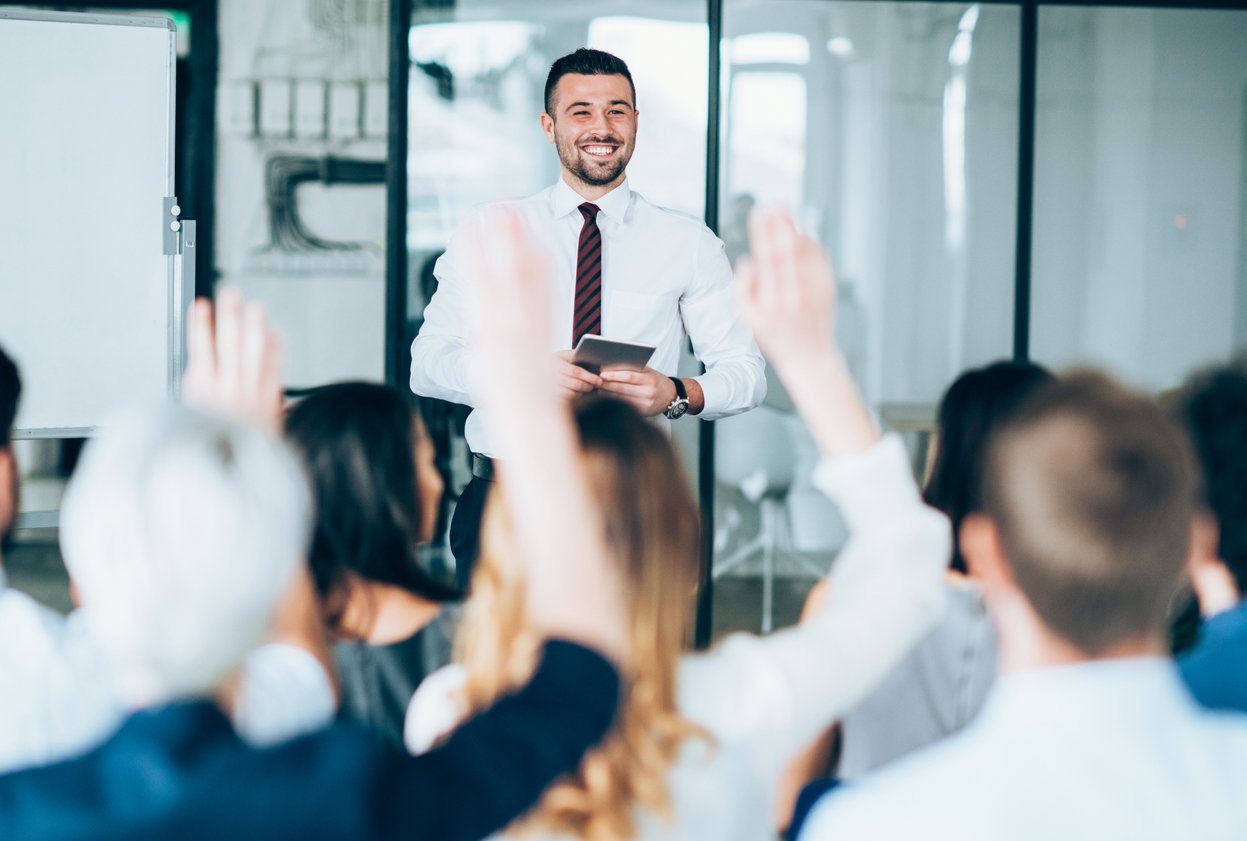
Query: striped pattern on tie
(587, 317)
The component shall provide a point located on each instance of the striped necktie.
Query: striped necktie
(587, 316)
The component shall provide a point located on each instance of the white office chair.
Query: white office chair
(754, 453)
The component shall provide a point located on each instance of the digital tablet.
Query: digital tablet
(593, 353)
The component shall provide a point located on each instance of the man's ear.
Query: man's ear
(984, 553)
(547, 125)
(10, 487)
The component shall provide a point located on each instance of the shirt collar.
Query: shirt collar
(1088, 690)
(613, 205)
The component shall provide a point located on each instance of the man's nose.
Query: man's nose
(598, 124)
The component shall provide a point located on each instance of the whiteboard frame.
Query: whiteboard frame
(174, 326)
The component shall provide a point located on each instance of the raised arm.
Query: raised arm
(886, 582)
(559, 529)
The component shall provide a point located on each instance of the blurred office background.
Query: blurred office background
(1065, 182)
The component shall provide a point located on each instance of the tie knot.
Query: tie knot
(590, 211)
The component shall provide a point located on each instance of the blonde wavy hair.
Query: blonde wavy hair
(652, 527)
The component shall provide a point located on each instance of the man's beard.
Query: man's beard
(574, 162)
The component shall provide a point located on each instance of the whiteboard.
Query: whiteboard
(86, 160)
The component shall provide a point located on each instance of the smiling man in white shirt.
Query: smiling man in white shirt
(624, 269)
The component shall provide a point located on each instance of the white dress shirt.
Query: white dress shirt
(58, 699)
(664, 276)
(763, 699)
(1109, 751)
(56, 696)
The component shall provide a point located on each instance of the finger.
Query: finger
(578, 386)
(228, 340)
(762, 250)
(788, 267)
(270, 380)
(617, 376)
(577, 373)
(746, 288)
(254, 344)
(628, 390)
(201, 351)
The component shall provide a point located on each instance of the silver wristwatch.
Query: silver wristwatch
(679, 406)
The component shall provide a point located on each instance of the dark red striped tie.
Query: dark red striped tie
(587, 316)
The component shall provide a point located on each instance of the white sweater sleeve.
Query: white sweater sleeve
(773, 695)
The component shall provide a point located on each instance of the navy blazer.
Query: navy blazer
(180, 772)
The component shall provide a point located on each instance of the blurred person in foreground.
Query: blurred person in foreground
(703, 737)
(56, 694)
(182, 529)
(1213, 407)
(1088, 520)
(940, 685)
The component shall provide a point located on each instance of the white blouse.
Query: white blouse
(764, 699)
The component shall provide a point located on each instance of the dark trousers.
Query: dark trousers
(465, 529)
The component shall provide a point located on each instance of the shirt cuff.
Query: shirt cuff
(871, 482)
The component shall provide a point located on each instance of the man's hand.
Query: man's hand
(649, 391)
(234, 361)
(575, 380)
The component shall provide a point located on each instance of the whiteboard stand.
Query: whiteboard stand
(179, 243)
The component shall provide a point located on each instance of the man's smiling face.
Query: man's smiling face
(594, 128)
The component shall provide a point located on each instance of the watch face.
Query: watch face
(677, 409)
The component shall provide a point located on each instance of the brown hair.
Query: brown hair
(1092, 489)
(653, 530)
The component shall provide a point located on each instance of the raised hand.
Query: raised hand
(559, 532)
(234, 361)
(786, 293)
(786, 290)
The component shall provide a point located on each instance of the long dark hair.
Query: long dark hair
(972, 409)
(356, 441)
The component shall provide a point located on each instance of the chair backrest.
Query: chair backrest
(754, 452)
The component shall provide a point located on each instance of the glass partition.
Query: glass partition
(891, 131)
(1140, 189)
(477, 81)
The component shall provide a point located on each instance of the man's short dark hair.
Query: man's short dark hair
(586, 62)
(1092, 488)
(1213, 407)
(10, 391)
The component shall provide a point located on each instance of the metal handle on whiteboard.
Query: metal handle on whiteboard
(181, 243)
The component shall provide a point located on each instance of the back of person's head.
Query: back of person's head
(652, 528)
(181, 530)
(585, 62)
(1213, 407)
(10, 393)
(974, 406)
(1092, 490)
(356, 441)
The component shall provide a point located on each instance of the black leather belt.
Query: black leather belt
(482, 467)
